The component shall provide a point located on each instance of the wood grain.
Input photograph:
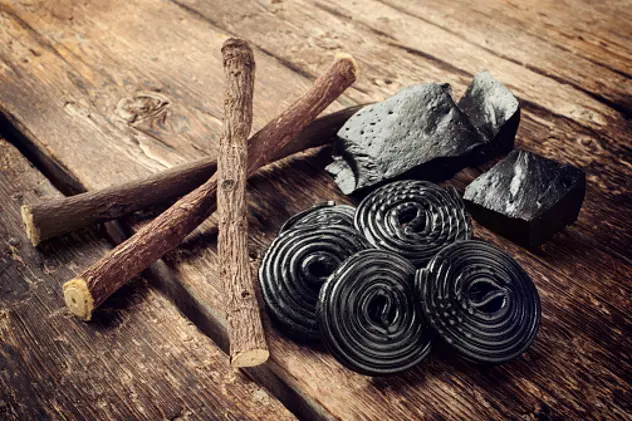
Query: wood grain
(580, 364)
(137, 361)
(550, 41)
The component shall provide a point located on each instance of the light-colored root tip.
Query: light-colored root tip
(29, 225)
(78, 298)
(235, 42)
(349, 57)
(251, 358)
(236, 47)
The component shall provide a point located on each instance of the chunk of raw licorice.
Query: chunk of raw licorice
(495, 113)
(419, 127)
(369, 316)
(526, 197)
(294, 268)
(323, 214)
(480, 301)
(415, 219)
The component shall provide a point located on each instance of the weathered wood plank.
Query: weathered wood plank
(600, 31)
(139, 360)
(150, 107)
(547, 40)
(385, 31)
(581, 360)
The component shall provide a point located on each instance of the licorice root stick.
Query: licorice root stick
(86, 292)
(51, 218)
(248, 346)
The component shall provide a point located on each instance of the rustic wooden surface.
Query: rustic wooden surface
(103, 92)
(139, 359)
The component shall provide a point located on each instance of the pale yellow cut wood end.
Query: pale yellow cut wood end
(78, 298)
(354, 63)
(29, 225)
(251, 358)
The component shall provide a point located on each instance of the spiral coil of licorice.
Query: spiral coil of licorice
(294, 268)
(415, 219)
(369, 316)
(321, 215)
(480, 301)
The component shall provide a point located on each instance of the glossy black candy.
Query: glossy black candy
(526, 197)
(495, 113)
(415, 219)
(419, 127)
(323, 214)
(294, 268)
(369, 316)
(480, 301)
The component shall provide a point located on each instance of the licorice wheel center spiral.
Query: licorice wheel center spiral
(480, 301)
(321, 215)
(415, 219)
(369, 317)
(294, 268)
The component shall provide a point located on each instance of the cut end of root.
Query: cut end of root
(354, 63)
(78, 298)
(235, 48)
(251, 358)
(29, 226)
(235, 43)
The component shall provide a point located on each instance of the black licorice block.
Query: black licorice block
(527, 198)
(419, 127)
(495, 113)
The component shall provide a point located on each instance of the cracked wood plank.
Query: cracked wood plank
(140, 359)
(582, 342)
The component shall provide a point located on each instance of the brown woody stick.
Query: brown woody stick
(59, 216)
(248, 346)
(86, 292)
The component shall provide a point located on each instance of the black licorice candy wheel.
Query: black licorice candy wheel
(415, 219)
(369, 315)
(480, 301)
(294, 268)
(321, 215)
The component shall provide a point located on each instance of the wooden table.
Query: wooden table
(100, 92)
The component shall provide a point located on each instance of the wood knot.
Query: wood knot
(542, 411)
(142, 106)
(591, 145)
(228, 184)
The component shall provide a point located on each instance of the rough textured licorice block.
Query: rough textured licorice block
(526, 197)
(495, 113)
(419, 127)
